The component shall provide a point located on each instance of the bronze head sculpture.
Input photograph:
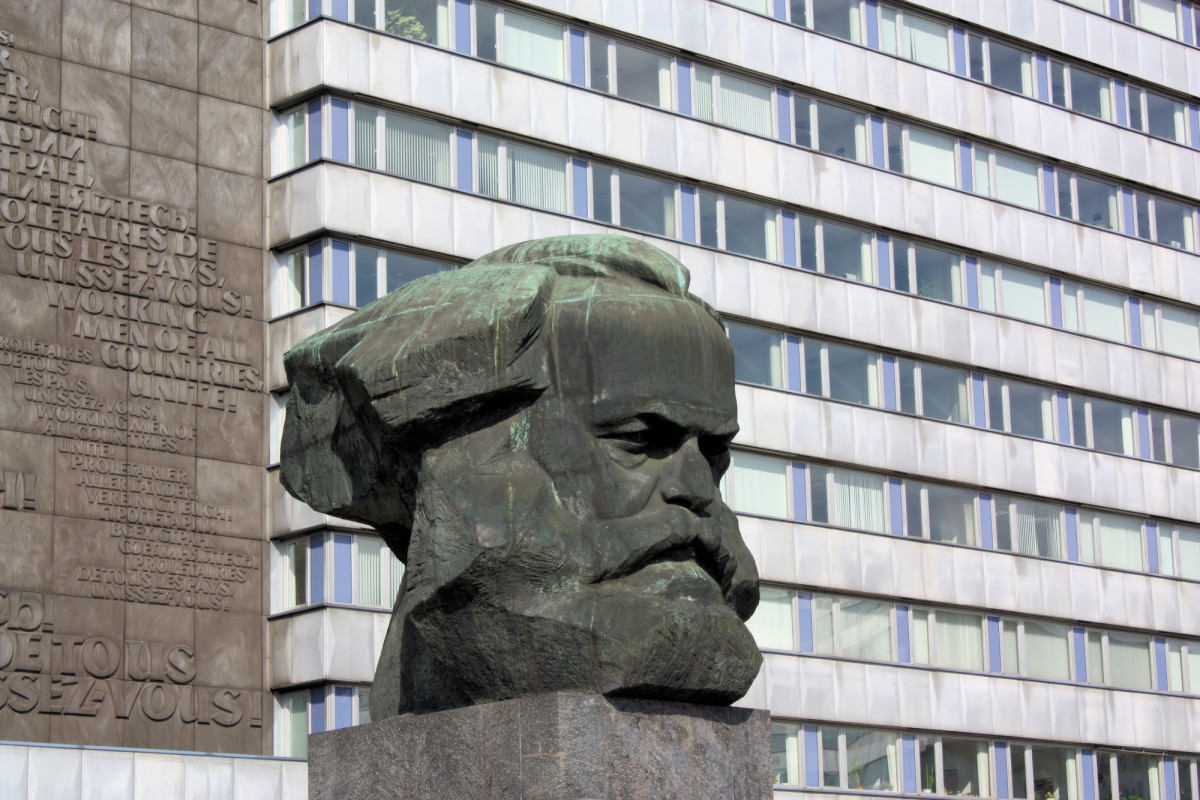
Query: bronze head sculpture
(539, 436)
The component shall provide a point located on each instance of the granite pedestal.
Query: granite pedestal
(559, 746)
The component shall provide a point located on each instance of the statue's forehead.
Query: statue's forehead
(628, 354)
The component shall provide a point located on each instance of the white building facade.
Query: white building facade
(956, 247)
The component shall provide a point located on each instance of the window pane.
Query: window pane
(598, 54)
(872, 760)
(1189, 563)
(812, 368)
(745, 105)
(927, 755)
(370, 571)
(920, 636)
(1180, 332)
(847, 252)
(485, 31)
(931, 157)
(423, 20)
(1157, 16)
(857, 500)
(895, 146)
(1047, 651)
(1054, 773)
(1185, 441)
(757, 355)
(975, 59)
(802, 107)
(928, 41)
(808, 243)
(938, 274)
(417, 149)
(1112, 427)
(1129, 661)
(489, 166)
(403, 268)
(647, 204)
(295, 144)
(959, 640)
(537, 178)
(944, 393)
(773, 625)
(643, 76)
(1010, 663)
(1164, 117)
(1037, 529)
(750, 229)
(823, 624)
(1012, 69)
(995, 401)
(289, 286)
(1089, 93)
(365, 136)
(297, 578)
(908, 386)
(840, 18)
(1095, 657)
(1173, 224)
(866, 629)
(915, 517)
(709, 235)
(1017, 181)
(952, 515)
(965, 767)
(853, 374)
(759, 484)
(533, 44)
(1120, 541)
(366, 274)
(785, 753)
(1104, 314)
(705, 102)
(1022, 294)
(841, 132)
(1097, 202)
(831, 773)
(293, 708)
(601, 194)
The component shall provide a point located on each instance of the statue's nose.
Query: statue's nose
(687, 478)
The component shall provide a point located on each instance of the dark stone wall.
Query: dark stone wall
(132, 549)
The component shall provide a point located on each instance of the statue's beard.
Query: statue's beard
(489, 614)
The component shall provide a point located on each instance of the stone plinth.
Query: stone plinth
(560, 746)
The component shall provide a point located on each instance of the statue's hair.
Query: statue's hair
(442, 355)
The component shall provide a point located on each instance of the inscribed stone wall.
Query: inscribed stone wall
(132, 556)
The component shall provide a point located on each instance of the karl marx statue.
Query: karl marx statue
(538, 436)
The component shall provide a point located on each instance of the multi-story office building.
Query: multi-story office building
(953, 243)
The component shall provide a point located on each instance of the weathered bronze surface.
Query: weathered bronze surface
(539, 437)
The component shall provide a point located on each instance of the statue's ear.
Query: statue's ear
(371, 393)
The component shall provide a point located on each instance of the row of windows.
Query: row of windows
(315, 710)
(1171, 18)
(420, 149)
(349, 568)
(553, 49)
(882, 630)
(870, 759)
(851, 374)
(776, 487)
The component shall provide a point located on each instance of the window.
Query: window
(934, 391)
(853, 627)
(1101, 425)
(1183, 667)
(941, 513)
(1013, 292)
(403, 145)
(1030, 527)
(860, 760)
(734, 101)
(314, 710)
(1189, 780)
(1021, 408)
(1090, 93)
(948, 639)
(421, 20)
(1094, 311)
(354, 569)
(1179, 553)
(1127, 775)
(1045, 772)
(642, 76)
(646, 204)
(1119, 659)
(832, 129)
(836, 250)
(292, 142)
(927, 271)
(1175, 439)
(914, 37)
(1170, 329)
(287, 282)
(1035, 649)
(1007, 178)
(851, 373)
(518, 40)
(1111, 540)
(757, 355)
(1158, 16)
(276, 412)
(1006, 67)
(291, 724)
(1156, 114)
(847, 498)
(839, 18)
(954, 766)
(287, 14)
(931, 157)
(774, 621)
(1164, 222)
(739, 226)
(756, 484)
(785, 754)
(1090, 201)
(526, 175)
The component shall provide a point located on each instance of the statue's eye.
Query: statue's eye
(636, 440)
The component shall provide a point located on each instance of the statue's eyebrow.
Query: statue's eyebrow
(661, 417)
